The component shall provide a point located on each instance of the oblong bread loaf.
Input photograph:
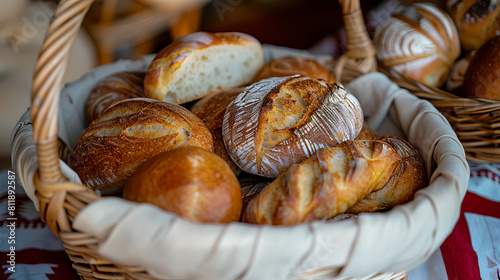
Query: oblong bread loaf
(127, 134)
(198, 63)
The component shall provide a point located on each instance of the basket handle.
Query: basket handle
(50, 184)
(359, 58)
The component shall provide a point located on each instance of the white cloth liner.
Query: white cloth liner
(170, 247)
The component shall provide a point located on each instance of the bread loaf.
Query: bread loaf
(112, 89)
(210, 109)
(195, 64)
(420, 42)
(289, 66)
(482, 78)
(127, 134)
(325, 185)
(190, 182)
(477, 20)
(277, 122)
(409, 177)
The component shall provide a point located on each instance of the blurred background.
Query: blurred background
(116, 29)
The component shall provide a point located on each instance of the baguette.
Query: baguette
(325, 185)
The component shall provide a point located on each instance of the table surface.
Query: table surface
(472, 251)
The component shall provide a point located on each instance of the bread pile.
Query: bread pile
(281, 143)
(434, 46)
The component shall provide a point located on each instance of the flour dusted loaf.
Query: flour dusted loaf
(197, 63)
(325, 185)
(112, 89)
(190, 182)
(127, 134)
(292, 65)
(420, 42)
(277, 122)
(477, 20)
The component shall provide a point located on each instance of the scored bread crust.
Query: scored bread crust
(409, 177)
(198, 63)
(127, 134)
(325, 185)
(277, 122)
(291, 65)
(112, 89)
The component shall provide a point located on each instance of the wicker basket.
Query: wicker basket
(60, 200)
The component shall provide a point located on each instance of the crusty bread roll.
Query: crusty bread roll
(325, 185)
(409, 177)
(289, 66)
(277, 122)
(188, 181)
(112, 89)
(127, 134)
(482, 78)
(477, 21)
(210, 109)
(420, 42)
(195, 64)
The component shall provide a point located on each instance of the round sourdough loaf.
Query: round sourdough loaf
(419, 41)
(127, 134)
(482, 78)
(293, 65)
(190, 182)
(198, 63)
(277, 122)
(112, 89)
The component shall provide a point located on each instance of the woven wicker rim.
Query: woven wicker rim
(61, 200)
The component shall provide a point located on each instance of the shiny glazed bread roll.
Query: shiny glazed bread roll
(477, 20)
(420, 42)
(289, 66)
(210, 109)
(112, 89)
(277, 122)
(197, 63)
(190, 182)
(325, 185)
(409, 177)
(127, 134)
(482, 78)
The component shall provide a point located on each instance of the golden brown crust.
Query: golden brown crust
(128, 133)
(289, 66)
(482, 78)
(367, 133)
(190, 182)
(166, 78)
(477, 21)
(112, 89)
(327, 184)
(281, 121)
(419, 41)
(210, 110)
(409, 177)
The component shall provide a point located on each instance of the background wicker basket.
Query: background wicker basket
(476, 121)
(60, 200)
